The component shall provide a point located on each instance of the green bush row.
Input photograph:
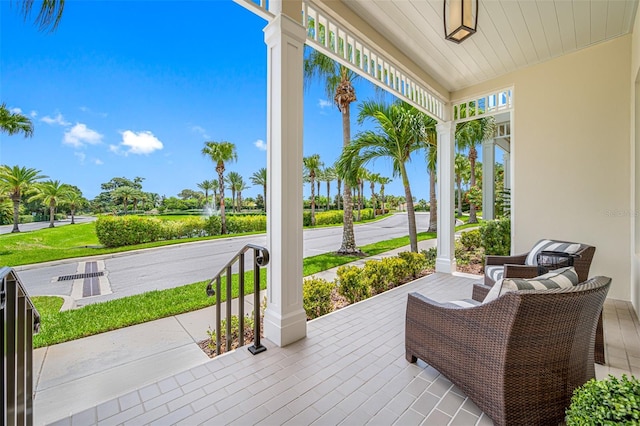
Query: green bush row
(334, 217)
(117, 231)
(377, 276)
(496, 236)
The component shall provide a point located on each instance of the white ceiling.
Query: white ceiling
(511, 34)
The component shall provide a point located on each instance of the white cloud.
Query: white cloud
(34, 114)
(98, 162)
(58, 119)
(200, 130)
(137, 143)
(80, 135)
(261, 145)
(323, 103)
(15, 111)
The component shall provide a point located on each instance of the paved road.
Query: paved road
(172, 266)
(6, 229)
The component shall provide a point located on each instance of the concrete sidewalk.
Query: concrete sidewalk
(71, 376)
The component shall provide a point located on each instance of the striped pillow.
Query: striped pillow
(559, 278)
(548, 245)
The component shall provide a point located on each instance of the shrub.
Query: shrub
(246, 223)
(605, 402)
(350, 284)
(430, 256)
(496, 236)
(114, 231)
(415, 263)
(316, 297)
(213, 225)
(306, 218)
(471, 239)
(376, 276)
(332, 217)
(23, 218)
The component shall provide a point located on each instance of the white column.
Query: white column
(446, 262)
(506, 157)
(488, 179)
(285, 320)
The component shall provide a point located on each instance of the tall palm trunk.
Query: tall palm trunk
(16, 212)
(359, 199)
(264, 194)
(433, 203)
(373, 199)
(313, 200)
(473, 154)
(73, 216)
(328, 196)
(382, 198)
(348, 234)
(223, 218)
(52, 214)
(338, 204)
(319, 183)
(411, 213)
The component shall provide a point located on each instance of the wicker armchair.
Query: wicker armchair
(519, 357)
(516, 267)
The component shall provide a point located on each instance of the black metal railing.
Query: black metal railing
(20, 320)
(260, 259)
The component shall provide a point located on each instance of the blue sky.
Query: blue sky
(126, 89)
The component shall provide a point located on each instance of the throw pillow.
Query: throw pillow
(559, 278)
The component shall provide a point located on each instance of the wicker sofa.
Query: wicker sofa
(520, 266)
(519, 357)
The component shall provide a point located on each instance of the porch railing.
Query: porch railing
(20, 320)
(260, 259)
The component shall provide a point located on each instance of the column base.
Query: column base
(285, 330)
(445, 265)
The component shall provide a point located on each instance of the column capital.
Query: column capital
(284, 25)
(444, 126)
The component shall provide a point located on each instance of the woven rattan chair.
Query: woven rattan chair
(519, 357)
(516, 267)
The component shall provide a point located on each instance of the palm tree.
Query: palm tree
(338, 184)
(49, 15)
(75, 200)
(241, 187)
(329, 174)
(383, 181)
(431, 158)
(234, 180)
(373, 178)
(13, 122)
(468, 135)
(219, 153)
(400, 133)
(124, 194)
(312, 164)
(52, 193)
(462, 174)
(260, 178)
(360, 177)
(338, 81)
(206, 185)
(15, 181)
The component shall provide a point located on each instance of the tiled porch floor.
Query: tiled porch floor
(350, 369)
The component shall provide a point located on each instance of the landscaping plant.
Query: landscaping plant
(610, 401)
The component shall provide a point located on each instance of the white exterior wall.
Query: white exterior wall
(571, 153)
(635, 162)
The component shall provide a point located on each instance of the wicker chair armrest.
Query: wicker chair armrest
(520, 271)
(517, 259)
(480, 291)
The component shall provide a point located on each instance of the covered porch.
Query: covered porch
(351, 369)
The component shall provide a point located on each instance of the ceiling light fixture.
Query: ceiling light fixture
(460, 19)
